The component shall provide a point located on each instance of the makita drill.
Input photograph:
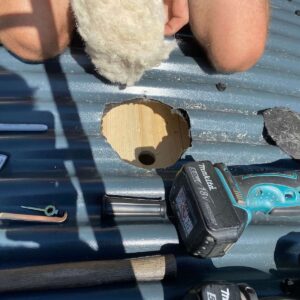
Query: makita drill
(212, 207)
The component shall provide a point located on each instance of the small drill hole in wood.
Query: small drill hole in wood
(147, 158)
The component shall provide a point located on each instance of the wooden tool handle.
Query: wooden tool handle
(86, 274)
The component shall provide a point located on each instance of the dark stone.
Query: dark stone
(283, 126)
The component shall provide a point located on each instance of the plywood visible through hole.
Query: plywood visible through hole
(146, 133)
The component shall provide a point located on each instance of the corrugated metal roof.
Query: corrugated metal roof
(72, 165)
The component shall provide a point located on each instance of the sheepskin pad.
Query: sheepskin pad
(123, 37)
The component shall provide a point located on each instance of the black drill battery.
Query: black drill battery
(221, 291)
(207, 220)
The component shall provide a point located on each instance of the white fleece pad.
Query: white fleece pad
(123, 37)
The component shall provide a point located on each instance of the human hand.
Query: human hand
(177, 15)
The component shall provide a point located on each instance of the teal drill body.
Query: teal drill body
(265, 193)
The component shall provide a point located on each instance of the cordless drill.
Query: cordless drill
(212, 207)
(221, 291)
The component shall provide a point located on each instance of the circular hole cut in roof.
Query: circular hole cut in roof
(146, 133)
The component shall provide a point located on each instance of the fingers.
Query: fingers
(174, 25)
(177, 15)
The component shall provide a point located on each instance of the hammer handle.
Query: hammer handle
(87, 274)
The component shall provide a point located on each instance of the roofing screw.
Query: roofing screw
(250, 290)
(297, 12)
(288, 286)
(221, 87)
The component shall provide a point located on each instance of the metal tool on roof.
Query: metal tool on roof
(212, 207)
(88, 274)
(49, 210)
(10, 127)
(133, 207)
(33, 218)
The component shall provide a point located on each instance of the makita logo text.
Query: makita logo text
(207, 178)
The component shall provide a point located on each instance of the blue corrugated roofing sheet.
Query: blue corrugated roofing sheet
(72, 166)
